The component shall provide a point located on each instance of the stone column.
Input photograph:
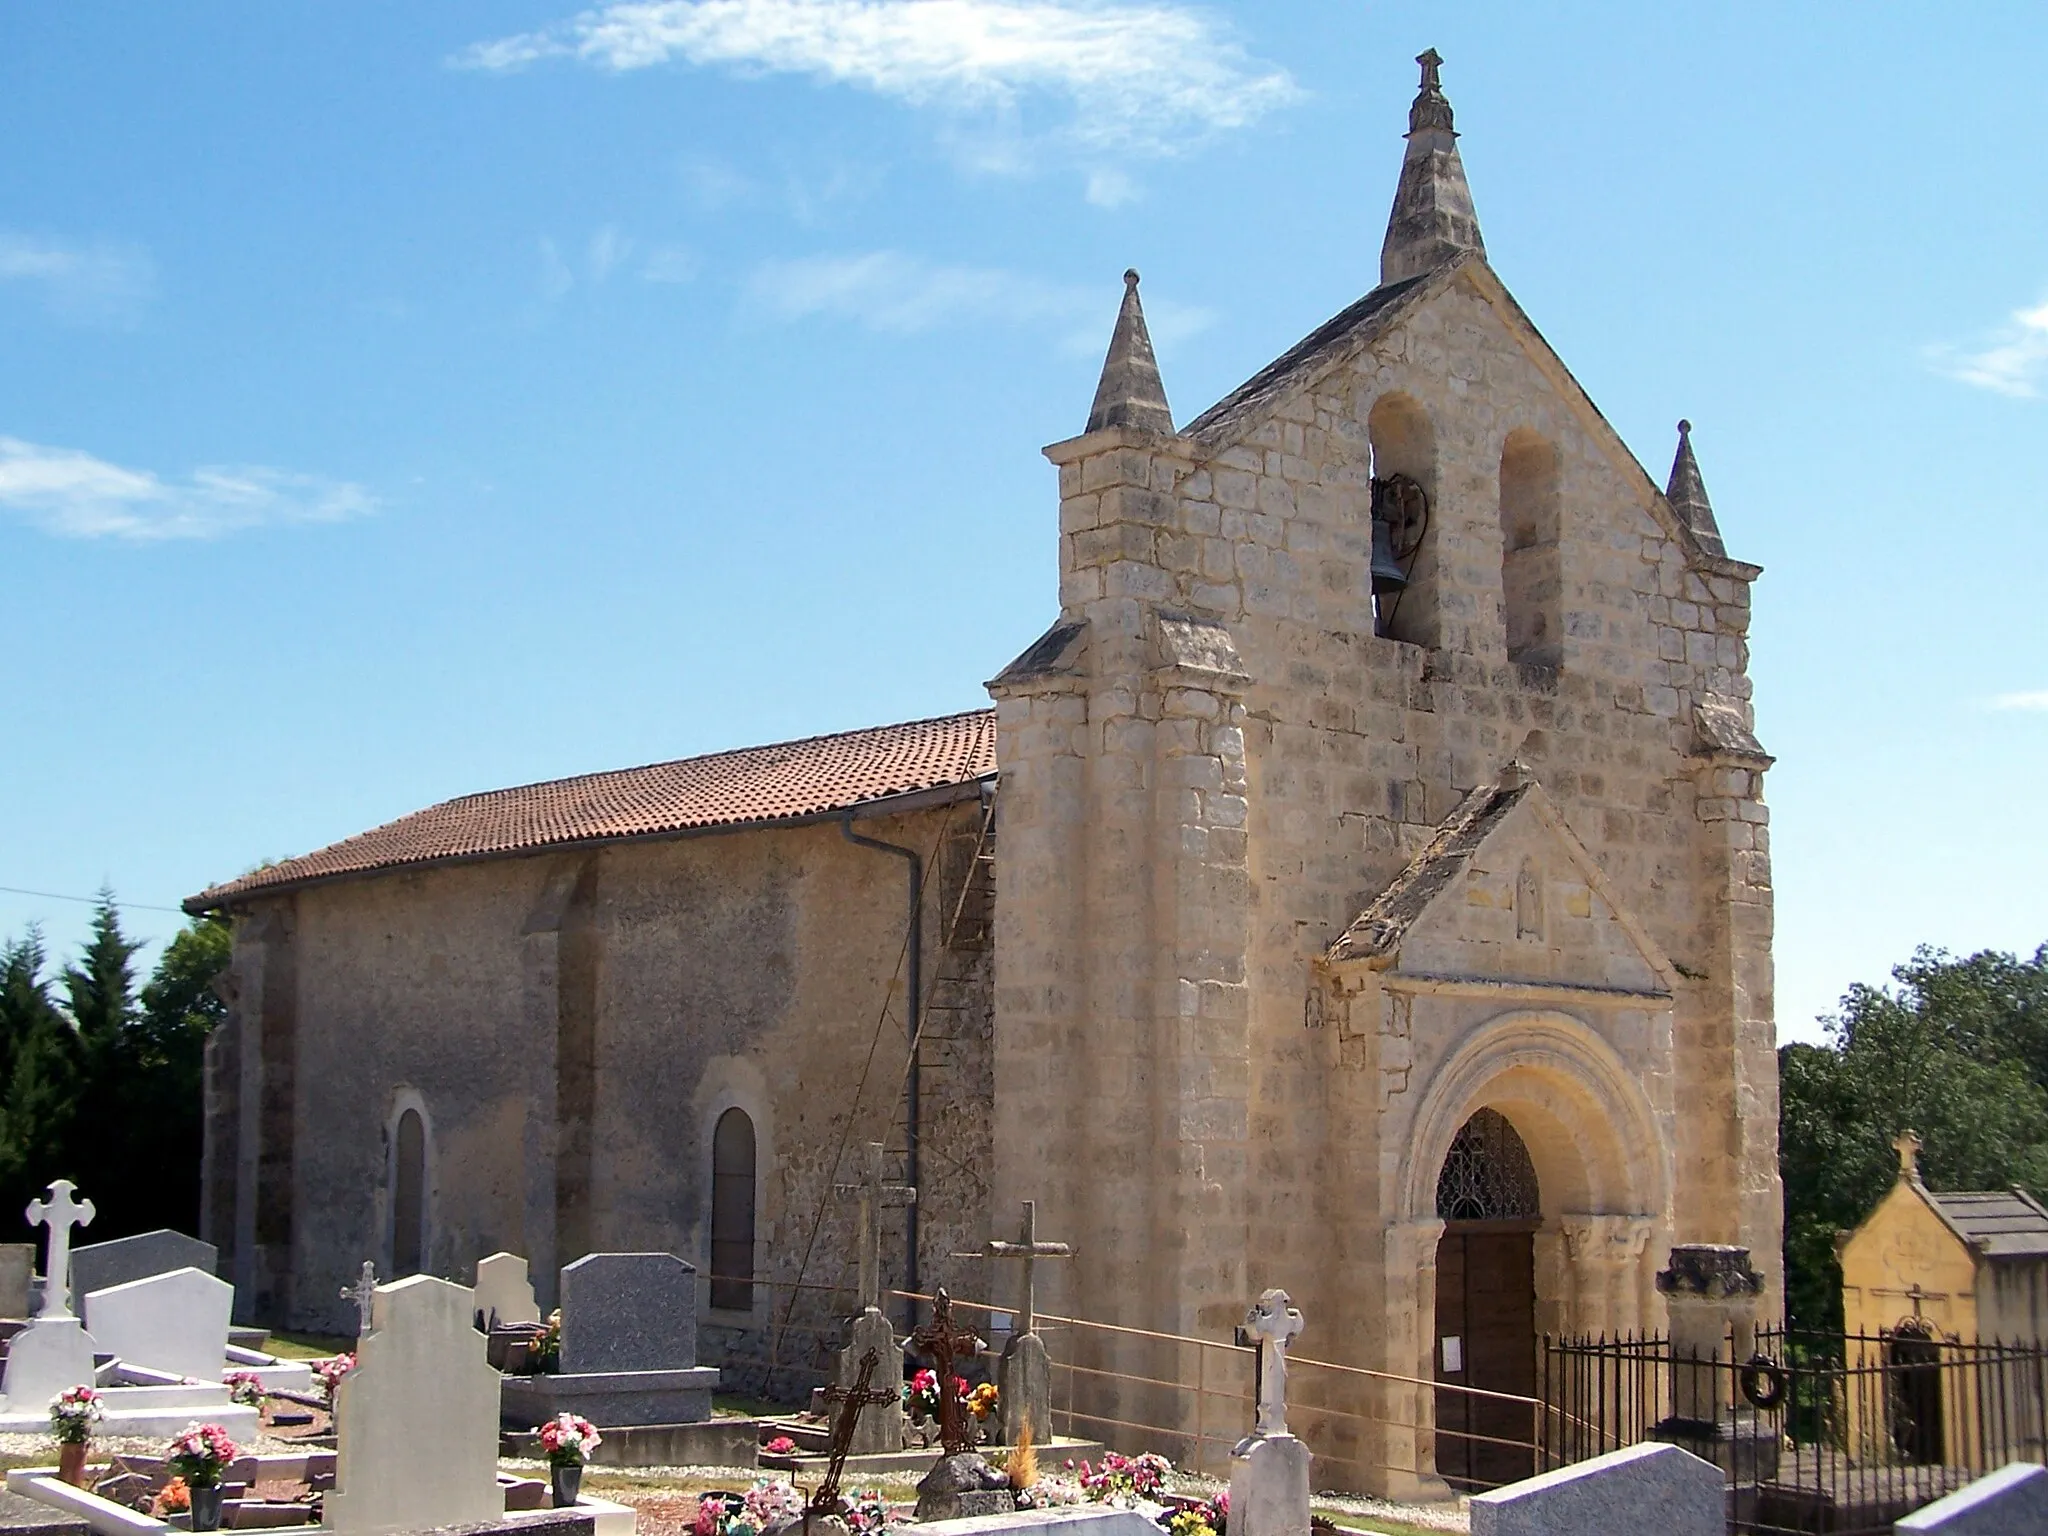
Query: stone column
(1711, 1292)
(1403, 1441)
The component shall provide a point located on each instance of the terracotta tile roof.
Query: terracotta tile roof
(817, 775)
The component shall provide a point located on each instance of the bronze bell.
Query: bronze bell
(1387, 575)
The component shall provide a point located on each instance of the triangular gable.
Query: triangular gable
(1505, 892)
(1343, 337)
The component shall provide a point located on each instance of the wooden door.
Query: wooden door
(1486, 1327)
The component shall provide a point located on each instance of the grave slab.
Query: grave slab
(1650, 1487)
(2013, 1501)
(1067, 1520)
(1269, 1486)
(99, 1266)
(504, 1293)
(416, 1419)
(628, 1312)
(17, 1267)
(46, 1357)
(611, 1399)
(176, 1322)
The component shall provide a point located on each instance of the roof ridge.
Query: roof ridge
(699, 757)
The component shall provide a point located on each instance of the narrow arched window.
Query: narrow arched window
(409, 1195)
(1531, 574)
(732, 1212)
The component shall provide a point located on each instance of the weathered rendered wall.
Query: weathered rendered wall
(572, 1024)
(1282, 788)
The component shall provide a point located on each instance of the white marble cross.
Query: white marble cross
(362, 1293)
(60, 1213)
(874, 1195)
(1274, 1323)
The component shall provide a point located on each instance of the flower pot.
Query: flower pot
(71, 1463)
(206, 1508)
(568, 1481)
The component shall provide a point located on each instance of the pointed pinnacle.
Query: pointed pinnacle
(1130, 393)
(1686, 490)
(1432, 223)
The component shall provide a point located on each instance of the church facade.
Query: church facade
(1361, 888)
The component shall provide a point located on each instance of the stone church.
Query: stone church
(1362, 887)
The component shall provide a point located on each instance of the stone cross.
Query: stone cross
(851, 1400)
(362, 1293)
(944, 1344)
(1907, 1144)
(60, 1213)
(1273, 1322)
(1431, 62)
(875, 1196)
(1029, 1250)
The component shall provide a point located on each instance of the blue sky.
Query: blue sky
(400, 401)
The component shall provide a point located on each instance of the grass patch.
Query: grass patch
(737, 1405)
(306, 1346)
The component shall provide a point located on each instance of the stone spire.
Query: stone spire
(1130, 394)
(1687, 493)
(1432, 221)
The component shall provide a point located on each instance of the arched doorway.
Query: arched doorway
(1913, 1383)
(1488, 1199)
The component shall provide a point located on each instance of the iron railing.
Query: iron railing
(1833, 1433)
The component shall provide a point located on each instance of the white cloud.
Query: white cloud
(607, 249)
(1110, 189)
(1143, 76)
(96, 284)
(670, 264)
(2036, 700)
(70, 493)
(2014, 361)
(892, 292)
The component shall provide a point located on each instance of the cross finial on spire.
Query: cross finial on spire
(1130, 393)
(1432, 223)
(1907, 1144)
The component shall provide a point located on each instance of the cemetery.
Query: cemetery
(420, 1415)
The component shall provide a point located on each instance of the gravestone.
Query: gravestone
(48, 1356)
(1651, 1487)
(2012, 1501)
(504, 1294)
(100, 1266)
(629, 1347)
(417, 1419)
(628, 1312)
(1269, 1467)
(176, 1322)
(17, 1267)
(1024, 1374)
(878, 1427)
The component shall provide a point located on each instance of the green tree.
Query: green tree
(107, 1088)
(1956, 1050)
(38, 1076)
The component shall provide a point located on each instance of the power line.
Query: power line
(92, 901)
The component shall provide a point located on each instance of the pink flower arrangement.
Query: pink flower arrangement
(244, 1387)
(73, 1412)
(202, 1454)
(330, 1373)
(569, 1439)
(781, 1445)
(1124, 1480)
(921, 1397)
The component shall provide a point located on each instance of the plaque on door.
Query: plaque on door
(1454, 1353)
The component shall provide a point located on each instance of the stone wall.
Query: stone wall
(572, 1024)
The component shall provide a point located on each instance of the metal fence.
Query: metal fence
(1833, 1433)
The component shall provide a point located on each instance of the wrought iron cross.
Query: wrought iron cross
(826, 1501)
(1029, 1250)
(60, 1213)
(944, 1344)
(875, 1195)
(362, 1293)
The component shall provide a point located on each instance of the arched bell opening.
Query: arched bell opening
(1490, 1200)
